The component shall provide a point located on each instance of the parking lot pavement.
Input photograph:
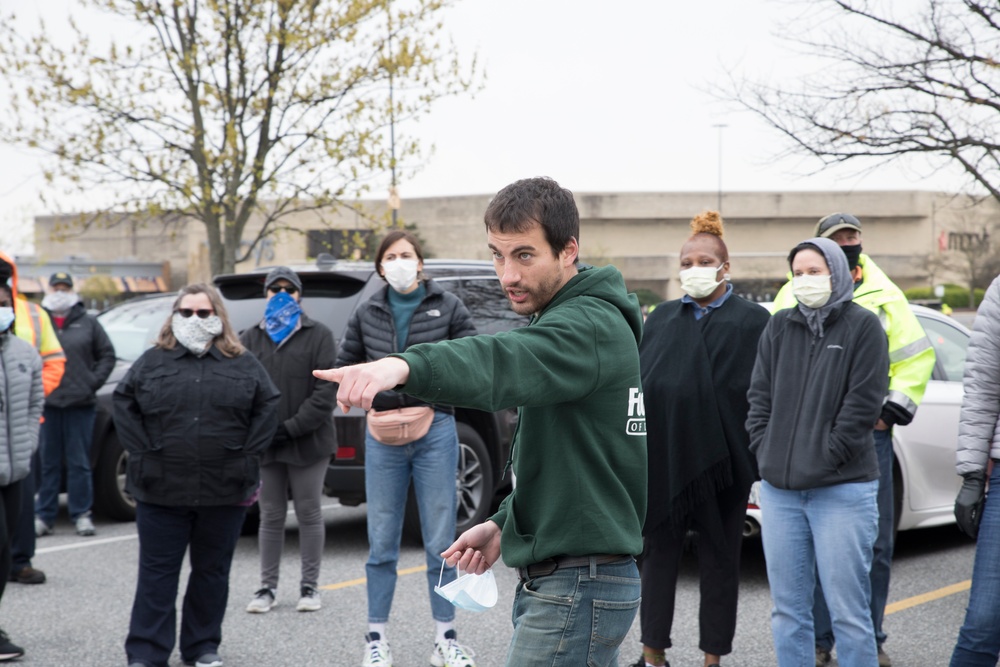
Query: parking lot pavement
(80, 617)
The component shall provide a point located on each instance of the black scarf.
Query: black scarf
(695, 376)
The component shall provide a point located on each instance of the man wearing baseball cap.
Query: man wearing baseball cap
(911, 361)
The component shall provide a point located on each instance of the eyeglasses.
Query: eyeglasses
(274, 289)
(201, 312)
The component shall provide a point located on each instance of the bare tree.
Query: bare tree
(227, 111)
(897, 85)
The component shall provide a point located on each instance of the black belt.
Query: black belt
(549, 565)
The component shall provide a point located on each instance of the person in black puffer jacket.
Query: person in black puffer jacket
(71, 409)
(408, 311)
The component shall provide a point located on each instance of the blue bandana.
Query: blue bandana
(281, 316)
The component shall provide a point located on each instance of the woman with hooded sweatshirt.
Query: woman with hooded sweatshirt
(697, 353)
(815, 394)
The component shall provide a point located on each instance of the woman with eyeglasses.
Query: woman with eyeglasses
(290, 344)
(194, 413)
(411, 309)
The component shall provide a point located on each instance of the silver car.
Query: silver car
(924, 479)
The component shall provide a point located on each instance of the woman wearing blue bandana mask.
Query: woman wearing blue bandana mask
(290, 344)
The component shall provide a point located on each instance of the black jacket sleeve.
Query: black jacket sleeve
(126, 413)
(104, 354)
(264, 420)
(315, 411)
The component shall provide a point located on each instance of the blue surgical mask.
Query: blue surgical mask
(6, 318)
(281, 316)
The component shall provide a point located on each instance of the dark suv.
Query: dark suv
(331, 291)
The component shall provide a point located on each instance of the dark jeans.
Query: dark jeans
(882, 555)
(69, 433)
(719, 522)
(165, 534)
(10, 505)
(22, 539)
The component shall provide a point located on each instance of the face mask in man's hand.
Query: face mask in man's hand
(472, 592)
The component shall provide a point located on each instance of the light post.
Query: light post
(393, 192)
(720, 127)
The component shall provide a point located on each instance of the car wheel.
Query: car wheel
(110, 497)
(474, 486)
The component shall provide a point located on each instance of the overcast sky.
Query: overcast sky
(601, 96)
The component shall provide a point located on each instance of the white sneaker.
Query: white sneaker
(310, 600)
(84, 526)
(377, 652)
(42, 528)
(262, 601)
(450, 653)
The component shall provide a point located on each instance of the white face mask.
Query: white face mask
(812, 291)
(699, 281)
(195, 333)
(6, 318)
(400, 273)
(472, 592)
(60, 302)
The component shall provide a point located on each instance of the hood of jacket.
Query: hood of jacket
(606, 283)
(7, 265)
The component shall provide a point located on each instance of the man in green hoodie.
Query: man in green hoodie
(572, 525)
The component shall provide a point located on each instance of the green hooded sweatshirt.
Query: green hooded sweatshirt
(579, 452)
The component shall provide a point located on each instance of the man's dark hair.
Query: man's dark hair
(536, 200)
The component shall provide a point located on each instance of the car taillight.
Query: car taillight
(345, 453)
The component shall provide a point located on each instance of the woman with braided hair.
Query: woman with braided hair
(697, 355)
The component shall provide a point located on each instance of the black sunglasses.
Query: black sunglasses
(201, 312)
(274, 289)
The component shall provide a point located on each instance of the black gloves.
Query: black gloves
(969, 504)
(280, 436)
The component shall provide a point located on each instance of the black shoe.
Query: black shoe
(27, 575)
(9, 650)
(641, 662)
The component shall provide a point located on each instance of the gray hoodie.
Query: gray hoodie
(21, 402)
(817, 389)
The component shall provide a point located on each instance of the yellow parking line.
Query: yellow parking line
(358, 582)
(928, 597)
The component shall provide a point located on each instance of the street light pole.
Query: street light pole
(393, 193)
(720, 127)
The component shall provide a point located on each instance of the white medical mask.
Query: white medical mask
(472, 592)
(699, 281)
(60, 302)
(812, 291)
(195, 333)
(400, 273)
(6, 318)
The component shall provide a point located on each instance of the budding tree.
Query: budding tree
(223, 111)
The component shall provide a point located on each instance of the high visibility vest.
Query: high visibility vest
(32, 324)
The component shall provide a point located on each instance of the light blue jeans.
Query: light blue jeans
(432, 463)
(882, 554)
(574, 616)
(831, 531)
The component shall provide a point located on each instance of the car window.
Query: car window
(488, 306)
(950, 344)
(134, 326)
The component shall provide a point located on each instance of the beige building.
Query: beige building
(912, 235)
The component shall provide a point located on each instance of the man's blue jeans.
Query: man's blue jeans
(69, 432)
(574, 616)
(882, 556)
(979, 639)
(829, 531)
(431, 462)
